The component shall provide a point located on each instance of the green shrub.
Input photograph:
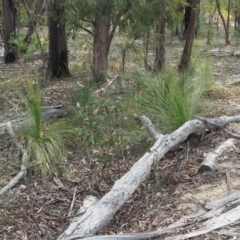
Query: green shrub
(103, 125)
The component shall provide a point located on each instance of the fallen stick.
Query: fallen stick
(98, 215)
(23, 169)
(210, 159)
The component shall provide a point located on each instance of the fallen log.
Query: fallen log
(216, 222)
(209, 161)
(48, 112)
(98, 215)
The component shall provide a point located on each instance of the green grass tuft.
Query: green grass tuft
(170, 99)
(46, 141)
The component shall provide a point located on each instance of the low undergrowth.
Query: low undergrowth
(170, 99)
(47, 141)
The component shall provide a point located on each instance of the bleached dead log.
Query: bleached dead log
(207, 121)
(150, 128)
(23, 169)
(210, 210)
(224, 219)
(212, 207)
(126, 236)
(102, 212)
(47, 112)
(209, 161)
(230, 232)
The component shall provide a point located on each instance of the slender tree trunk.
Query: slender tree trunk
(225, 25)
(146, 48)
(187, 17)
(9, 28)
(101, 45)
(160, 47)
(33, 21)
(186, 55)
(1, 32)
(58, 54)
(228, 17)
(238, 24)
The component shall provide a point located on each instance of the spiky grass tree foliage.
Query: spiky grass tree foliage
(46, 141)
(170, 99)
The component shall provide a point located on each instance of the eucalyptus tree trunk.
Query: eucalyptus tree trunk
(101, 44)
(9, 29)
(190, 33)
(187, 16)
(160, 44)
(58, 54)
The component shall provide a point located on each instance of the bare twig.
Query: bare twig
(228, 181)
(86, 30)
(42, 232)
(73, 200)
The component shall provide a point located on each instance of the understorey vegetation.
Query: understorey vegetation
(132, 105)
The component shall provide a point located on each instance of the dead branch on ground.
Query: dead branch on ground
(210, 159)
(23, 169)
(98, 215)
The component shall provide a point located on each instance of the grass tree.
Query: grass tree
(225, 24)
(46, 142)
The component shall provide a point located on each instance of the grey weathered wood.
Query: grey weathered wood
(230, 232)
(215, 208)
(47, 113)
(101, 212)
(210, 159)
(150, 128)
(23, 169)
(125, 236)
(214, 223)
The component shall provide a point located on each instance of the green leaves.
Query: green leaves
(103, 124)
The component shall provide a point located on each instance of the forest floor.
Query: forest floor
(37, 209)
